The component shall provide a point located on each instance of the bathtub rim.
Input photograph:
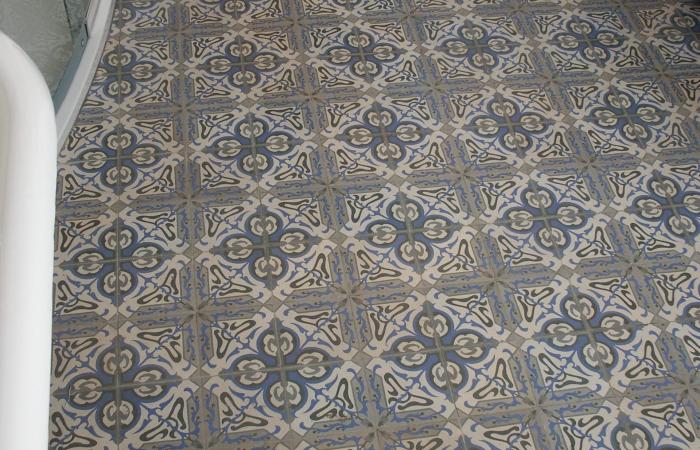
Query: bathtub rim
(27, 212)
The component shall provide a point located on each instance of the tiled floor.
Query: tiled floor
(415, 224)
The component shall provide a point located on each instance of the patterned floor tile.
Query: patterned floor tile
(131, 416)
(665, 205)
(405, 224)
(545, 218)
(146, 16)
(267, 147)
(242, 65)
(475, 46)
(257, 409)
(581, 40)
(79, 290)
(104, 93)
(113, 387)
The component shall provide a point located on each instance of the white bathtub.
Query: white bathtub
(27, 196)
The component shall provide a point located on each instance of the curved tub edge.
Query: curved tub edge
(27, 207)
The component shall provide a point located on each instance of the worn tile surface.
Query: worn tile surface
(416, 224)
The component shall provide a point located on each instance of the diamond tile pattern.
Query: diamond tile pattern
(380, 224)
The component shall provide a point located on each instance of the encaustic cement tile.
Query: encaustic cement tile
(440, 224)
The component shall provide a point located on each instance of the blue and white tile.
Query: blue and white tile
(362, 54)
(233, 12)
(382, 224)
(544, 218)
(145, 16)
(510, 125)
(597, 40)
(663, 206)
(671, 30)
(255, 147)
(636, 116)
(247, 64)
(266, 406)
(469, 46)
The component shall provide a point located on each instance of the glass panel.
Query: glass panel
(75, 13)
(52, 34)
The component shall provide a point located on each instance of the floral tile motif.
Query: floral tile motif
(269, 146)
(513, 126)
(472, 46)
(145, 16)
(104, 93)
(126, 158)
(241, 65)
(374, 224)
(371, 54)
(111, 390)
(545, 218)
(632, 115)
(159, 416)
(672, 30)
(227, 13)
(581, 40)
(147, 54)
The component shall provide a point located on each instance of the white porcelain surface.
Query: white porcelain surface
(28, 180)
